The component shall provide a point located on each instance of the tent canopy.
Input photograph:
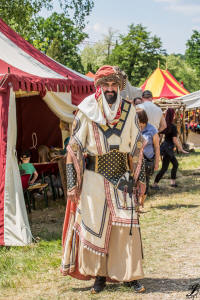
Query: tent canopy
(28, 69)
(163, 85)
(192, 100)
(90, 74)
(36, 92)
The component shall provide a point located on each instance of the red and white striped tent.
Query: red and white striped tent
(36, 92)
(163, 85)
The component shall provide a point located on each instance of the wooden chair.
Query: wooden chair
(39, 187)
(30, 189)
(25, 184)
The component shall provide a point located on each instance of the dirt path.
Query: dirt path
(171, 236)
(194, 138)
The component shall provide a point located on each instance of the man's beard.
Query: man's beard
(111, 99)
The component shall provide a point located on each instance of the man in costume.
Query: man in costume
(106, 184)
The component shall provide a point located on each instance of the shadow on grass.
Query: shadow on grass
(184, 187)
(174, 206)
(152, 285)
(50, 236)
(195, 172)
(166, 285)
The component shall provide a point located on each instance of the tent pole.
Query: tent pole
(184, 129)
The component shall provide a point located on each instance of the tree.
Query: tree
(95, 56)
(19, 13)
(92, 57)
(192, 53)
(137, 53)
(59, 38)
(183, 72)
(109, 41)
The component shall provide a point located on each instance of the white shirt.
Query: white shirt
(154, 113)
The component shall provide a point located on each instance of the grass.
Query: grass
(170, 234)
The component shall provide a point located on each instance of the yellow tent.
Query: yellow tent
(163, 85)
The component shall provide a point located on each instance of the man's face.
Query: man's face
(110, 90)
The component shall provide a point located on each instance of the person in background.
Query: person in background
(137, 101)
(152, 149)
(154, 113)
(26, 167)
(167, 150)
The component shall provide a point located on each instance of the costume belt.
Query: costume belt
(112, 165)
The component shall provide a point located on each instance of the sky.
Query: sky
(171, 20)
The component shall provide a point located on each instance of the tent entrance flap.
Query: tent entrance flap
(36, 125)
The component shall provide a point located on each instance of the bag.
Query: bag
(167, 149)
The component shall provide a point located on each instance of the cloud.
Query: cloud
(196, 20)
(96, 30)
(181, 6)
(166, 1)
(99, 28)
(186, 9)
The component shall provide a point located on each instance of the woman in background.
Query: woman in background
(152, 148)
(167, 150)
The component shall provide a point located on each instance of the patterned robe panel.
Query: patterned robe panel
(101, 205)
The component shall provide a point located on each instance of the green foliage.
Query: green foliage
(137, 53)
(93, 57)
(18, 263)
(183, 72)
(19, 13)
(193, 51)
(59, 38)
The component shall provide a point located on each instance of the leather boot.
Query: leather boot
(99, 285)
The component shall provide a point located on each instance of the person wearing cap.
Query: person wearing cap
(154, 113)
(101, 235)
(26, 167)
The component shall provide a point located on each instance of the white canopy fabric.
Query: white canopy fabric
(191, 100)
(18, 58)
(61, 105)
(16, 226)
